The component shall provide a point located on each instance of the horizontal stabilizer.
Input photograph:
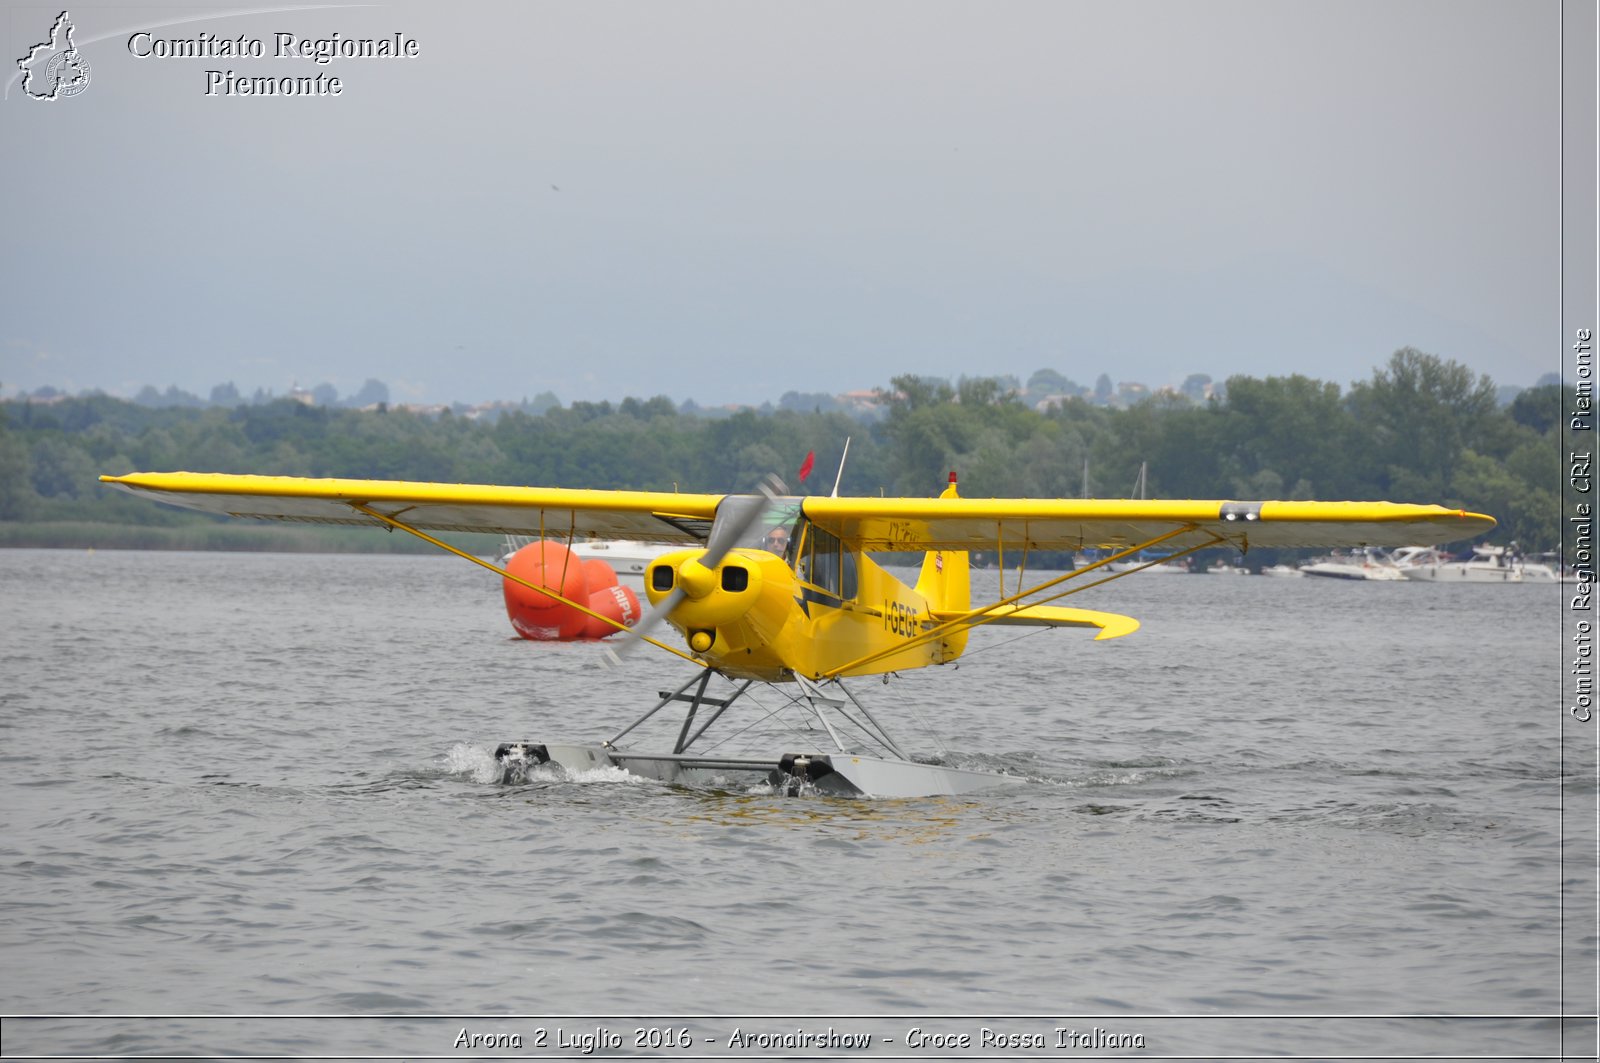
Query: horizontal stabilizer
(1111, 625)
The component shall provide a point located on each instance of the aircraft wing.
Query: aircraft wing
(1014, 524)
(651, 516)
(869, 523)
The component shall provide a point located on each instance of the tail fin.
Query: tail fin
(946, 584)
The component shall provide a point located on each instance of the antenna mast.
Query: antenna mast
(840, 474)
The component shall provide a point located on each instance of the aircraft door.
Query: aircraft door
(825, 563)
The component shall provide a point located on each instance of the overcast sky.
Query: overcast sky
(729, 200)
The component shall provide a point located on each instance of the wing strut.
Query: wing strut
(814, 693)
(1216, 540)
(362, 507)
(984, 614)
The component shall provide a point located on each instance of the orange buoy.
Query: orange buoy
(599, 574)
(545, 617)
(540, 616)
(615, 602)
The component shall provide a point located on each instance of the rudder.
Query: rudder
(946, 583)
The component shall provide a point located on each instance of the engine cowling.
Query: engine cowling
(713, 598)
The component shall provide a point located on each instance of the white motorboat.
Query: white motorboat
(1547, 568)
(1282, 571)
(1405, 557)
(1153, 566)
(628, 560)
(1369, 564)
(1489, 564)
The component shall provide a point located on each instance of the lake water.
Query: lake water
(249, 808)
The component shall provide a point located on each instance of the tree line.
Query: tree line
(1422, 429)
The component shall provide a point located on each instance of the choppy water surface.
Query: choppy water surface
(260, 785)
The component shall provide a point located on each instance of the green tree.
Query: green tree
(17, 496)
(1418, 415)
(1538, 408)
(1293, 426)
(1050, 382)
(56, 468)
(910, 392)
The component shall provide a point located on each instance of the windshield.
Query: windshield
(775, 530)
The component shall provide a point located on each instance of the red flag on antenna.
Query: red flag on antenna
(805, 466)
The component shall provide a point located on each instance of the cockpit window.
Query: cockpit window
(826, 563)
(776, 542)
(775, 531)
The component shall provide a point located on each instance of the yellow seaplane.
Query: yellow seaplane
(784, 591)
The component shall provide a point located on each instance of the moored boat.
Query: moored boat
(1488, 564)
(1360, 565)
(1547, 568)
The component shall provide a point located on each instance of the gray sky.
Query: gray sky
(729, 200)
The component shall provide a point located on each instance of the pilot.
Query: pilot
(777, 541)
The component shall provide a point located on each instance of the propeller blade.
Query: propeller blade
(636, 634)
(735, 517)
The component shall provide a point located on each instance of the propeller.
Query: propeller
(736, 515)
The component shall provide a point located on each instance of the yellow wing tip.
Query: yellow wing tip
(1118, 626)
